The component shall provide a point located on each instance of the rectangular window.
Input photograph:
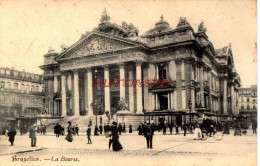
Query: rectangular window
(32, 88)
(22, 87)
(2, 85)
(37, 89)
(8, 85)
(15, 86)
(162, 71)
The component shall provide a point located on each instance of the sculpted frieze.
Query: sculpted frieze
(96, 45)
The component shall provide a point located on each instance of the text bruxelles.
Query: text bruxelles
(155, 83)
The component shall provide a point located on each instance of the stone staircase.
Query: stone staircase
(81, 121)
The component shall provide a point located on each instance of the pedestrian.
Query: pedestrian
(73, 130)
(184, 128)
(41, 129)
(57, 130)
(197, 132)
(90, 122)
(32, 135)
(89, 134)
(124, 131)
(44, 129)
(254, 126)
(77, 129)
(226, 128)
(69, 137)
(115, 138)
(139, 129)
(130, 128)
(237, 130)
(177, 129)
(11, 134)
(120, 128)
(101, 129)
(170, 127)
(96, 130)
(148, 134)
(164, 129)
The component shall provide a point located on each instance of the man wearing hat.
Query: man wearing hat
(32, 135)
(148, 134)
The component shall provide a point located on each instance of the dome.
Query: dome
(160, 27)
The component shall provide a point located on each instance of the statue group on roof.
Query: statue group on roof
(183, 22)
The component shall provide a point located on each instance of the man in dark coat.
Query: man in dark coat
(130, 128)
(89, 134)
(164, 129)
(254, 126)
(100, 129)
(57, 130)
(170, 127)
(124, 131)
(140, 129)
(32, 135)
(148, 134)
(44, 129)
(185, 128)
(77, 129)
(120, 128)
(11, 134)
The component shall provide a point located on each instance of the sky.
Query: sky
(29, 27)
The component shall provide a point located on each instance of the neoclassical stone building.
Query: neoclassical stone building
(203, 80)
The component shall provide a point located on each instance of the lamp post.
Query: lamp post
(190, 104)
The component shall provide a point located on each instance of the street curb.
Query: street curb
(25, 151)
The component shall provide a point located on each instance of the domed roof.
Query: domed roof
(160, 27)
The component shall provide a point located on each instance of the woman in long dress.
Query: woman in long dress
(115, 138)
(69, 136)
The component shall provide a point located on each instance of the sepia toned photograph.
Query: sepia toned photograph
(128, 82)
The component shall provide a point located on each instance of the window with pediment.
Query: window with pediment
(32, 88)
(16, 86)
(37, 88)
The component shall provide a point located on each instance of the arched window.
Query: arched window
(248, 107)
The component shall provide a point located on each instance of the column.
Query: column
(55, 84)
(76, 92)
(122, 78)
(202, 85)
(151, 75)
(131, 90)
(90, 92)
(172, 70)
(169, 100)
(192, 89)
(232, 99)
(63, 95)
(225, 96)
(86, 90)
(139, 95)
(173, 104)
(183, 85)
(107, 89)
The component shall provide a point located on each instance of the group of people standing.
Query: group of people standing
(58, 130)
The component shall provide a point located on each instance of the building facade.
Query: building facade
(248, 103)
(202, 80)
(21, 96)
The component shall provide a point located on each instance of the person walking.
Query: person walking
(177, 129)
(124, 131)
(184, 128)
(130, 128)
(148, 134)
(57, 130)
(197, 132)
(44, 129)
(73, 130)
(89, 134)
(77, 129)
(69, 137)
(115, 138)
(32, 135)
(164, 129)
(41, 129)
(170, 127)
(100, 129)
(11, 134)
(120, 128)
(254, 126)
(140, 129)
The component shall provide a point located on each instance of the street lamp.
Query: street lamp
(190, 104)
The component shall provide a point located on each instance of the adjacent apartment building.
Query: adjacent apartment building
(248, 103)
(21, 97)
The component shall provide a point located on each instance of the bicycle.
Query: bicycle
(217, 135)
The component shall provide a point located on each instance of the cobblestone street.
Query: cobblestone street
(167, 149)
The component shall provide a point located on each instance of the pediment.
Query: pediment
(95, 44)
